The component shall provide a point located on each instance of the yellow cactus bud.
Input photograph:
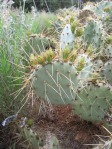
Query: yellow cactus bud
(107, 9)
(81, 64)
(79, 31)
(65, 54)
(74, 24)
(108, 39)
(72, 56)
(41, 59)
(33, 59)
(49, 55)
(90, 49)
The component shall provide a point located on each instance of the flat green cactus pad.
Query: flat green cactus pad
(93, 102)
(106, 71)
(67, 38)
(39, 43)
(108, 52)
(56, 82)
(93, 34)
(84, 66)
(97, 65)
(100, 7)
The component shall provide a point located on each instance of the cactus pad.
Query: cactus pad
(67, 38)
(93, 34)
(39, 43)
(56, 82)
(93, 102)
(98, 64)
(107, 53)
(100, 8)
(84, 66)
(106, 72)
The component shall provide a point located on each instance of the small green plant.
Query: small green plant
(52, 142)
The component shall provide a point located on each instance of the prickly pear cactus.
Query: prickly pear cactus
(85, 14)
(102, 7)
(102, 11)
(107, 21)
(93, 34)
(85, 55)
(31, 137)
(93, 102)
(68, 55)
(106, 53)
(79, 31)
(56, 82)
(67, 38)
(39, 43)
(44, 57)
(97, 65)
(106, 72)
(84, 66)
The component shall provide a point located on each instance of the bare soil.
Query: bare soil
(72, 132)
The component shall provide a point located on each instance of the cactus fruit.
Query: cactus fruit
(93, 102)
(56, 82)
(67, 38)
